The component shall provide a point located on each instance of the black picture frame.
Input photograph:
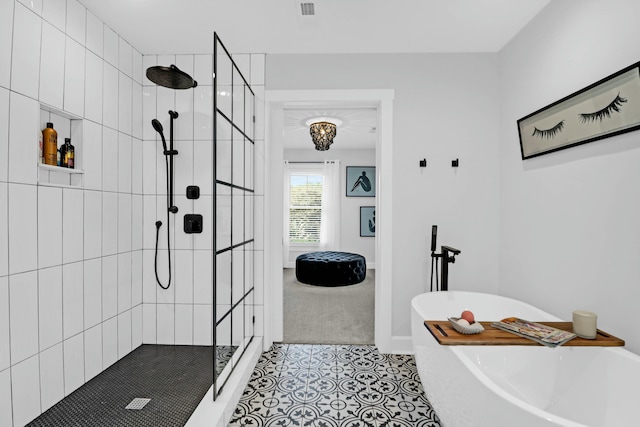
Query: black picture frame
(608, 107)
(361, 181)
(367, 221)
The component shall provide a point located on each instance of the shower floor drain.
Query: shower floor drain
(137, 403)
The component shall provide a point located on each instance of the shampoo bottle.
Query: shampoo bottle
(69, 153)
(50, 145)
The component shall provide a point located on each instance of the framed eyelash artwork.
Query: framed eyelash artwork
(606, 108)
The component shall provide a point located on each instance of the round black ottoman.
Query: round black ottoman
(331, 268)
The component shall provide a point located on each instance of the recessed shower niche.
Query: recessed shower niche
(67, 126)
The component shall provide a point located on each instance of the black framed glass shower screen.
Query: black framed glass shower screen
(233, 207)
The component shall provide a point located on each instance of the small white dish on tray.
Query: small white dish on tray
(474, 328)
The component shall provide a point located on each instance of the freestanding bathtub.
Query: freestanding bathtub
(524, 386)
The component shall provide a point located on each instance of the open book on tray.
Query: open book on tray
(543, 334)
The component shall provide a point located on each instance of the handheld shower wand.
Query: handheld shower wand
(158, 127)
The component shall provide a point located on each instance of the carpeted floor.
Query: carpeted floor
(328, 315)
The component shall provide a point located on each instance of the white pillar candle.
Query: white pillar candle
(584, 324)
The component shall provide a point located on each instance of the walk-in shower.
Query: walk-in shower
(172, 78)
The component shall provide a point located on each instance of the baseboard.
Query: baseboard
(401, 345)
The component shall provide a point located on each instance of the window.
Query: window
(305, 208)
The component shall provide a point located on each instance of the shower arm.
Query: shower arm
(171, 152)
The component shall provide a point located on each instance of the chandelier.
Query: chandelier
(322, 134)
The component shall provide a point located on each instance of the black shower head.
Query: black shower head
(170, 77)
(158, 127)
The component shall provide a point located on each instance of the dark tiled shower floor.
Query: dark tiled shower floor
(175, 378)
(334, 386)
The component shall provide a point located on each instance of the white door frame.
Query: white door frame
(276, 102)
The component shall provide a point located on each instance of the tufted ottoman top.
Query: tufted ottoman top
(331, 268)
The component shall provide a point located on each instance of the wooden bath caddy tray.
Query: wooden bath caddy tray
(494, 336)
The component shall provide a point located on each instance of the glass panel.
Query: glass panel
(238, 158)
(223, 217)
(237, 326)
(223, 351)
(237, 280)
(223, 67)
(238, 217)
(223, 154)
(248, 267)
(223, 100)
(248, 317)
(238, 100)
(223, 284)
(248, 217)
(249, 112)
(248, 164)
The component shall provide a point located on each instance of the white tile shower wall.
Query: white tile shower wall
(183, 316)
(70, 271)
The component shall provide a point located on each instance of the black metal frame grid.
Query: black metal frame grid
(246, 191)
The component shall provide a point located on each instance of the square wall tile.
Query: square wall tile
(95, 34)
(125, 103)
(52, 66)
(125, 54)
(24, 134)
(54, 11)
(72, 225)
(137, 111)
(92, 229)
(136, 326)
(149, 324)
(92, 155)
(124, 282)
(111, 46)
(51, 376)
(92, 293)
(109, 342)
(23, 315)
(94, 71)
(23, 236)
(6, 35)
(137, 67)
(183, 276)
(124, 162)
(5, 354)
(92, 352)
(124, 334)
(109, 287)
(109, 223)
(124, 222)
(49, 226)
(25, 389)
(4, 229)
(76, 21)
(72, 299)
(109, 162)
(166, 324)
(4, 134)
(74, 72)
(110, 96)
(202, 321)
(50, 306)
(148, 277)
(202, 277)
(6, 416)
(73, 363)
(184, 324)
(25, 59)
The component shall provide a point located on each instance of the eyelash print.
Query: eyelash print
(548, 133)
(615, 105)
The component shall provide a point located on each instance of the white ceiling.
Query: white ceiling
(338, 26)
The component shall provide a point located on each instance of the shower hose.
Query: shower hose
(158, 225)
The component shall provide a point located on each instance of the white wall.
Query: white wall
(70, 256)
(446, 106)
(350, 240)
(569, 234)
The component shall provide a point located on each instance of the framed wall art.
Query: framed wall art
(361, 181)
(367, 221)
(606, 108)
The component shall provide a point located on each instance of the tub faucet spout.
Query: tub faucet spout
(446, 259)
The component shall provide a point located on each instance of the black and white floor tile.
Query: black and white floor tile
(333, 386)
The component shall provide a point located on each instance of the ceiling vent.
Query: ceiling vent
(307, 9)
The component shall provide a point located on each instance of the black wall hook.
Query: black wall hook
(455, 163)
(423, 163)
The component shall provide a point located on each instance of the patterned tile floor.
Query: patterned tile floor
(333, 386)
